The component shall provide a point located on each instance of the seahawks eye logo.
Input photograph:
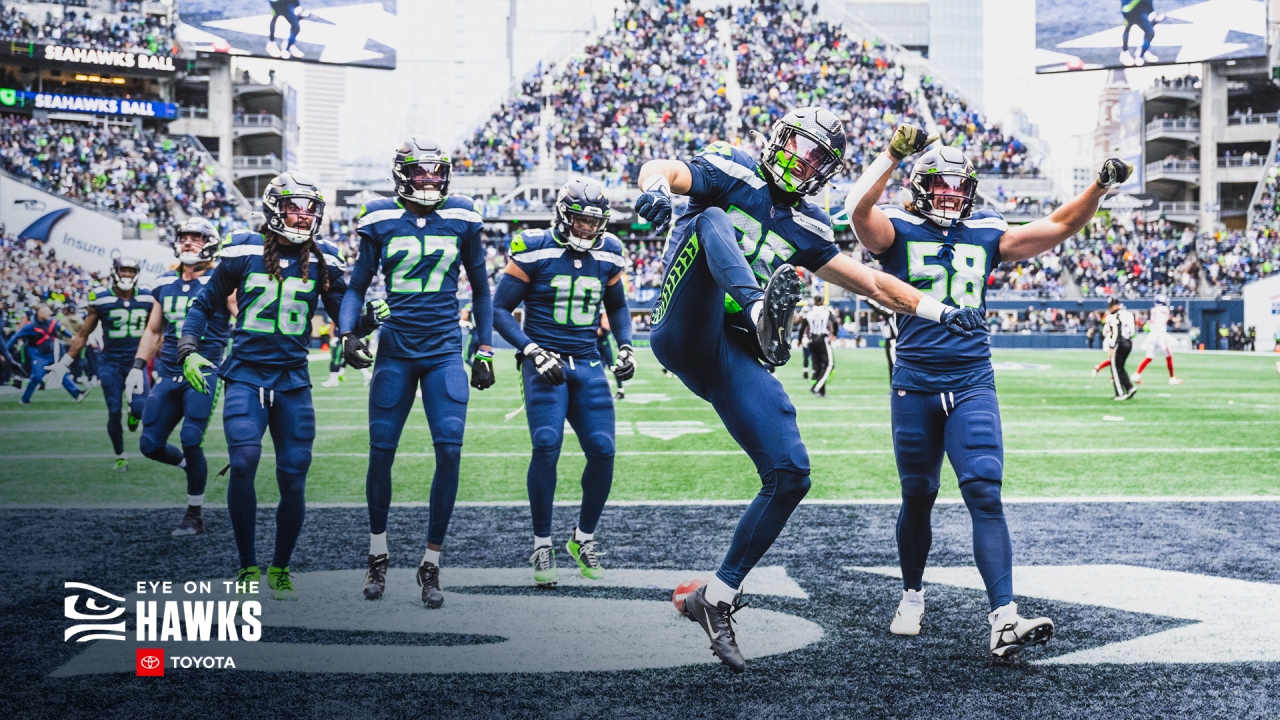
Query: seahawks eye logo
(96, 611)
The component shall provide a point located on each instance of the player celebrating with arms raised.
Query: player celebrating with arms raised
(279, 277)
(420, 242)
(944, 395)
(749, 221)
(121, 308)
(562, 276)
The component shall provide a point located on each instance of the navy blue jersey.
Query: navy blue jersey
(272, 334)
(175, 295)
(420, 259)
(123, 321)
(566, 289)
(929, 358)
(769, 232)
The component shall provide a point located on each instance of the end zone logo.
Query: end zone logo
(150, 662)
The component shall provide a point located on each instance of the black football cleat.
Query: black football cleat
(192, 524)
(375, 580)
(429, 580)
(773, 328)
(717, 621)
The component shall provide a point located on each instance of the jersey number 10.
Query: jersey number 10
(577, 299)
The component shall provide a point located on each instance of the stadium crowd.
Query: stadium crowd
(90, 29)
(133, 172)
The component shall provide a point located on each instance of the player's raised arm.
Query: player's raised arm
(871, 226)
(1027, 241)
(658, 180)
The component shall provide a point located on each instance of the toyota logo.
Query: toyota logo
(150, 662)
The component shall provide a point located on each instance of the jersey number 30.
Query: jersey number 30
(963, 285)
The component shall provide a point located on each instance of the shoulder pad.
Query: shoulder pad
(986, 219)
(736, 164)
(101, 294)
(459, 201)
(166, 279)
(332, 255)
(612, 244)
(810, 217)
(529, 240)
(242, 237)
(459, 207)
(895, 212)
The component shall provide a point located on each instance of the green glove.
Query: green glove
(193, 370)
(909, 140)
(375, 311)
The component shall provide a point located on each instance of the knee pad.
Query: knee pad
(450, 431)
(147, 444)
(982, 496)
(294, 460)
(384, 435)
(244, 459)
(192, 435)
(448, 453)
(919, 486)
(717, 218)
(548, 439)
(598, 444)
(790, 485)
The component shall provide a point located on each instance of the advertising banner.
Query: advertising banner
(88, 58)
(86, 104)
(87, 238)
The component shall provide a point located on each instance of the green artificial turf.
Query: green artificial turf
(1056, 439)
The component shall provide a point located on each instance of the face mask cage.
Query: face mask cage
(204, 253)
(423, 182)
(798, 162)
(581, 229)
(124, 282)
(297, 219)
(945, 196)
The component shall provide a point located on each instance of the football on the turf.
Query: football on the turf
(682, 592)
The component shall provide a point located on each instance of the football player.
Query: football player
(279, 276)
(174, 399)
(122, 308)
(41, 334)
(748, 223)
(817, 329)
(1108, 345)
(1158, 340)
(944, 395)
(562, 276)
(419, 241)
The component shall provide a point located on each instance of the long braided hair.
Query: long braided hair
(271, 258)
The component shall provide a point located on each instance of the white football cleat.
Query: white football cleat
(910, 613)
(1137, 378)
(1176, 381)
(273, 49)
(1093, 374)
(333, 380)
(1126, 59)
(1150, 57)
(1010, 634)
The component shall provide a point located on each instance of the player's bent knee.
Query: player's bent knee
(598, 445)
(791, 486)
(244, 459)
(919, 486)
(548, 439)
(192, 435)
(982, 496)
(982, 467)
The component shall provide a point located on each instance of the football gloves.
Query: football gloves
(962, 321)
(625, 368)
(546, 363)
(193, 365)
(354, 352)
(60, 368)
(909, 140)
(654, 204)
(482, 370)
(375, 311)
(135, 383)
(1114, 171)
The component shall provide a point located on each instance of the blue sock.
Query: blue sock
(242, 500)
(992, 548)
(115, 432)
(781, 492)
(915, 537)
(289, 515)
(597, 480)
(724, 257)
(377, 487)
(541, 482)
(197, 469)
(444, 491)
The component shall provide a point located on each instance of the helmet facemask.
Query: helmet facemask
(297, 219)
(584, 227)
(122, 281)
(944, 196)
(798, 162)
(194, 248)
(425, 183)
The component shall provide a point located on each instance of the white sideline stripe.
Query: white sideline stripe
(1030, 500)
(626, 453)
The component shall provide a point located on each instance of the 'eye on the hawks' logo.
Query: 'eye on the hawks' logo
(93, 610)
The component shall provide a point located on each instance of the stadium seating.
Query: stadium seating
(89, 27)
(136, 173)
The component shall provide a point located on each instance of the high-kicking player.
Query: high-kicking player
(174, 399)
(122, 308)
(279, 276)
(562, 276)
(1158, 340)
(749, 221)
(944, 395)
(419, 241)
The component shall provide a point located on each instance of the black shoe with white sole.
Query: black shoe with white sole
(429, 579)
(375, 578)
(717, 622)
(773, 328)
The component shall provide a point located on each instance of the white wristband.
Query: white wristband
(657, 183)
(528, 349)
(930, 309)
